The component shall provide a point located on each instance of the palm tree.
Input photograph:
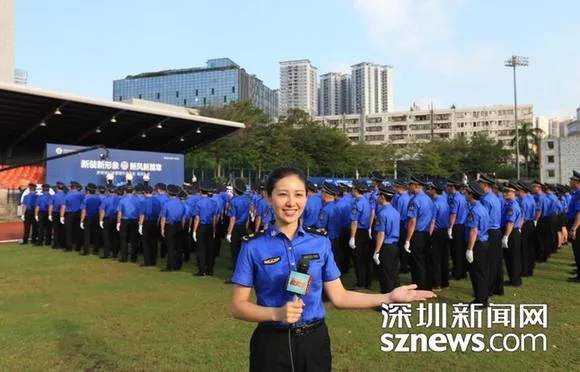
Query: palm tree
(529, 141)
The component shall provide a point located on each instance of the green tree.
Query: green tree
(529, 141)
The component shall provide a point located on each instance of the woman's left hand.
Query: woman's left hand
(409, 293)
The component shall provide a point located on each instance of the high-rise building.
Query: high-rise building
(558, 158)
(334, 97)
(557, 127)
(372, 90)
(220, 82)
(6, 41)
(298, 87)
(573, 127)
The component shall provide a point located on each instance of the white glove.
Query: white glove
(194, 236)
(23, 217)
(37, 219)
(229, 238)
(376, 258)
(370, 233)
(351, 243)
(535, 223)
(504, 242)
(62, 220)
(82, 225)
(118, 227)
(469, 255)
(450, 232)
(407, 246)
(102, 224)
(140, 229)
(50, 217)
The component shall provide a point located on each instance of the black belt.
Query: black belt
(296, 331)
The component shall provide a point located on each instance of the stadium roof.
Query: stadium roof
(30, 118)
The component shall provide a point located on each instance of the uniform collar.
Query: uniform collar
(274, 231)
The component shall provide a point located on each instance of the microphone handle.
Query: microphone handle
(295, 298)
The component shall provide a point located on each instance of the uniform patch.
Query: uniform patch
(412, 207)
(354, 211)
(470, 217)
(311, 256)
(271, 260)
(510, 212)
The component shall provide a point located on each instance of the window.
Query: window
(140, 96)
(551, 145)
(184, 102)
(120, 98)
(233, 89)
(225, 99)
(204, 100)
(196, 92)
(212, 91)
(550, 158)
(158, 95)
(550, 173)
(176, 94)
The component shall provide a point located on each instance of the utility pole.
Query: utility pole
(513, 62)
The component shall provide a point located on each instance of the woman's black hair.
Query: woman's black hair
(281, 172)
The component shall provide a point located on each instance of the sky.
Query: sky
(442, 51)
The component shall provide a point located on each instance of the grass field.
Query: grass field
(62, 311)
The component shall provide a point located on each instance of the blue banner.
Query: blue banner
(94, 166)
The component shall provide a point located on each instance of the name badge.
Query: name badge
(311, 256)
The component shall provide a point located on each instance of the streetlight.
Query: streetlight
(513, 62)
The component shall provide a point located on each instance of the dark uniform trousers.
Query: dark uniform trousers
(554, 228)
(575, 245)
(44, 229)
(419, 245)
(403, 255)
(362, 258)
(528, 252)
(495, 262)
(219, 233)
(269, 350)
(91, 233)
(346, 253)
(110, 237)
(389, 267)
(513, 258)
(205, 249)
(150, 239)
(129, 235)
(438, 259)
(172, 238)
(238, 232)
(458, 247)
(30, 224)
(186, 240)
(72, 222)
(545, 239)
(336, 251)
(58, 232)
(479, 271)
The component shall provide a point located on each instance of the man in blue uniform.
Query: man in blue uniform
(186, 237)
(386, 228)
(554, 213)
(161, 195)
(528, 235)
(456, 230)
(419, 217)
(573, 217)
(438, 255)
(90, 219)
(401, 203)
(58, 232)
(476, 236)
(70, 216)
(218, 233)
(493, 205)
(344, 206)
(43, 202)
(359, 241)
(544, 234)
(171, 224)
(148, 220)
(511, 223)
(204, 228)
(313, 206)
(329, 219)
(239, 213)
(108, 222)
(127, 224)
(28, 205)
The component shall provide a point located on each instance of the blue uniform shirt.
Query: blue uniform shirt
(388, 220)
(240, 208)
(150, 208)
(402, 204)
(206, 208)
(361, 212)
(491, 202)
(511, 212)
(542, 204)
(58, 201)
(458, 207)
(573, 206)
(528, 207)
(421, 208)
(219, 204)
(73, 201)
(312, 210)
(555, 205)
(30, 200)
(329, 220)
(477, 217)
(344, 206)
(173, 211)
(109, 206)
(129, 207)
(43, 201)
(263, 210)
(91, 204)
(441, 212)
(265, 262)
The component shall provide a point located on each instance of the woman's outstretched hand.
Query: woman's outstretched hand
(409, 293)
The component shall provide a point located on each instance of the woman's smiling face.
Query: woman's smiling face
(288, 199)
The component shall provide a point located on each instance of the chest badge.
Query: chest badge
(271, 260)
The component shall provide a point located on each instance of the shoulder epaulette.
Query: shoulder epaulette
(316, 231)
(252, 236)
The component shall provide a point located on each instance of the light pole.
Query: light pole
(513, 62)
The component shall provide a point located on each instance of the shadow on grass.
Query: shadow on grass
(83, 352)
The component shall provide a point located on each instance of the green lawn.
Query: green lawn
(62, 311)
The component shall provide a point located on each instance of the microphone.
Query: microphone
(299, 280)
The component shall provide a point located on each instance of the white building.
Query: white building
(372, 90)
(542, 123)
(574, 126)
(334, 94)
(558, 157)
(298, 87)
(415, 126)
